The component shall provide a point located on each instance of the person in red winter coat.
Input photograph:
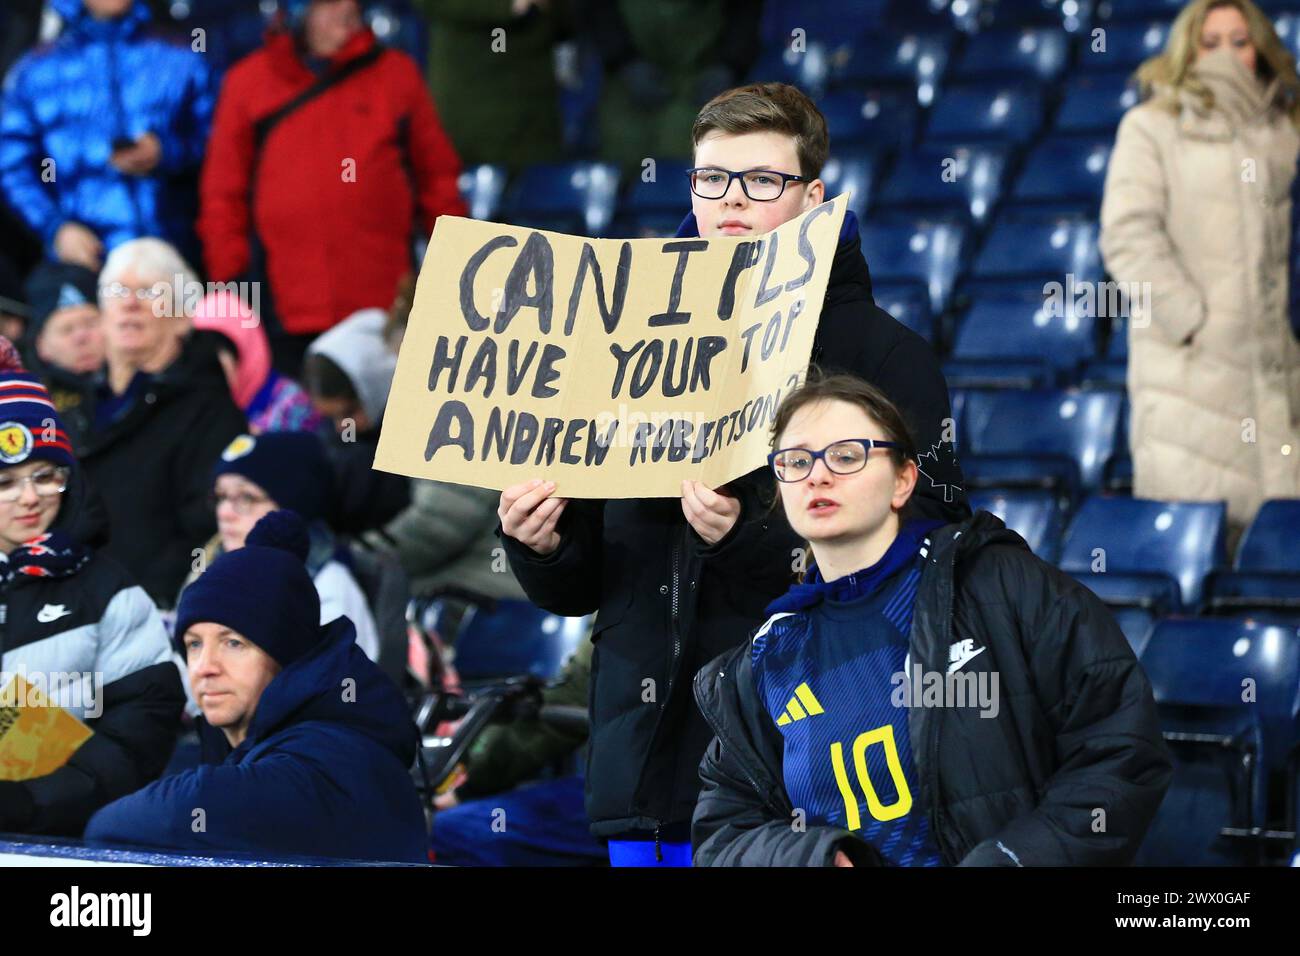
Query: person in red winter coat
(326, 149)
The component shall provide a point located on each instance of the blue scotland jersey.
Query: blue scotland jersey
(826, 675)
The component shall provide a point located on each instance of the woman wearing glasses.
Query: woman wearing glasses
(75, 627)
(929, 694)
(258, 474)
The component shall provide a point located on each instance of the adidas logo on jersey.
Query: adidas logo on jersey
(802, 704)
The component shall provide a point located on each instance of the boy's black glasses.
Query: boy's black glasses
(760, 185)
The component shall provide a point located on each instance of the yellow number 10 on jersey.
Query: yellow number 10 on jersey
(885, 737)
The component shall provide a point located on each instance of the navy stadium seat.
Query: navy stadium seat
(853, 170)
(397, 26)
(1071, 15)
(1029, 53)
(514, 638)
(930, 16)
(806, 69)
(1111, 369)
(649, 225)
(1152, 554)
(1137, 623)
(881, 118)
(232, 29)
(999, 112)
(821, 18)
(928, 253)
(1287, 26)
(966, 179)
(1266, 573)
(1095, 103)
(878, 58)
(1226, 695)
(909, 304)
(655, 203)
(1008, 373)
(1119, 10)
(1046, 343)
(1064, 168)
(1040, 438)
(482, 187)
(1046, 249)
(1119, 471)
(565, 197)
(1123, 46)
(1031, 514)
(658, 189)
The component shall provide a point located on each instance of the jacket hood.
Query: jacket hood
(228, 315)
(356, 345)
(335, 684)
(978, 531)
(77, 19)
(82, 513)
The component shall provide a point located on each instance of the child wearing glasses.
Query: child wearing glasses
(929, 694)
(678, 581)
(74, 627)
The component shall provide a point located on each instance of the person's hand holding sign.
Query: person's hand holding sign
(529, 514)
(711, 513)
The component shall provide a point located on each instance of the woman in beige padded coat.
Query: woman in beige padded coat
(1198, 205)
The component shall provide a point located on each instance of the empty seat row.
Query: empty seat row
(1227, 703)
(1026, 341)
(1161, 556)
(1022, 252)
(1059, 441)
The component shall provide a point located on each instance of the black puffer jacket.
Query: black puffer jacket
(153, 467)
(99, 625)
(1075, 731)
(669, 604)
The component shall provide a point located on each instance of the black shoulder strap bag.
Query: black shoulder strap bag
(261, 130)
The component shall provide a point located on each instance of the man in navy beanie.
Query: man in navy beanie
(316, 742)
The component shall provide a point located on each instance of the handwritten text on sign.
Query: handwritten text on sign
(613, 368)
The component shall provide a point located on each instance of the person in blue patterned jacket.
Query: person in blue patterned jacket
(102, 132)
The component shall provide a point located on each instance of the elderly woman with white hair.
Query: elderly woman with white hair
(158, 414)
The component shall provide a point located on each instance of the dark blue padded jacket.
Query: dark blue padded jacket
(323, 772)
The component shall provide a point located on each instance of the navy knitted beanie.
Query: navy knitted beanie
(291, 467)
(261, 591)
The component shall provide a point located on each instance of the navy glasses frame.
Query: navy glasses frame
(867, 443)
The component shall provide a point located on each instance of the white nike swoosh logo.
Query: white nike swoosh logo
(959, 664)
(48, 614)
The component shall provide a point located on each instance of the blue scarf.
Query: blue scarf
(900, 553)
(53, 554)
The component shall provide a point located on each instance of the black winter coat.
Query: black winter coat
(153, 468)
(668, 603)
(1075, 731)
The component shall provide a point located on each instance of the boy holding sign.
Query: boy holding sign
(679, 582)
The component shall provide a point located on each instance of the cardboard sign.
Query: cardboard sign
(36, 738)
(613, 368)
